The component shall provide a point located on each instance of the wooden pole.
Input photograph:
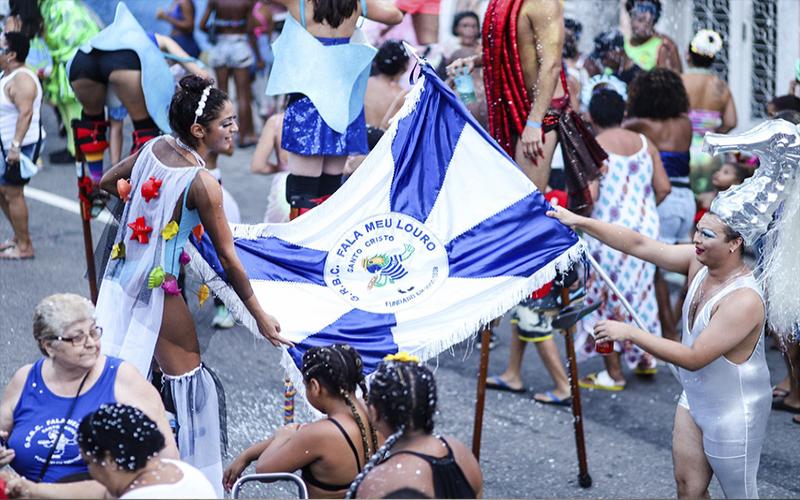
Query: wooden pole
(486, 335)
(584, 479)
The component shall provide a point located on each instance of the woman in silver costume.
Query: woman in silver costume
(721, 419)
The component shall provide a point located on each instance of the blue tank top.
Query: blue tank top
(675, 163)
(38, 417)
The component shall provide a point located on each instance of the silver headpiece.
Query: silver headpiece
(750, 209)
(201, 104)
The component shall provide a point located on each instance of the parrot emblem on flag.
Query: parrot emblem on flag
(387, 268)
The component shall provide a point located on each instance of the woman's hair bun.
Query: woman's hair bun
(195, 84)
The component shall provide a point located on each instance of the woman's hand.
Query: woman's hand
(19, 487)
(234, 470)
(608, 330)
(270, 329)
(533, 143)
(6, 454)
(461, 66)
(564, 216)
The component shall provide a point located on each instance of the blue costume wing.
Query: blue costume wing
(334, 77)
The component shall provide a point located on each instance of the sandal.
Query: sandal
(12, 253)
(496, 383)
(601, 380)
(645, 371)
(779, 392)
(779, 404)
(7, 244)
(553, 399)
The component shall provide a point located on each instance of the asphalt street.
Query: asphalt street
(528, 449)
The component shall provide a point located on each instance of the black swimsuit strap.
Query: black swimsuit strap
(427, 458)
(308, 476)
(349, 441)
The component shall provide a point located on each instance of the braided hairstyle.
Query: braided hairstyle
(339, 369)
(122, 432)
(404, 395)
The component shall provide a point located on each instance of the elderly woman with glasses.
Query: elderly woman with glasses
(44, 402)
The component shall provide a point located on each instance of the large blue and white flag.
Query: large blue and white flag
(437, 233)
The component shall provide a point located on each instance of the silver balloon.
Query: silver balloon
(748, 208)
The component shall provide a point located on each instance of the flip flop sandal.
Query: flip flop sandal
(796, 420)
(601, 380)
(645, 372)
(11, 244)
(554, 400)
(780, 405)
(778, 392)
(497, 384)
(12, 253)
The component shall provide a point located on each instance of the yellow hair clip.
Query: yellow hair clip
(402, 357)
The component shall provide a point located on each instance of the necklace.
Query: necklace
(699, 297)
(190, 150)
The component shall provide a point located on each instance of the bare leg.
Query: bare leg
(792, 357)
(426, 28)
(177, 349)
(665, 316)
(127, 83)
(91, 94)
(548, 351)
(614, 367)
(223, 73)
(538, 173)
(18, 216)
(244, 98)
(692, 470)
(516, 351)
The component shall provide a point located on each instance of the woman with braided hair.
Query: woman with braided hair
(402, 402)
(322, 449)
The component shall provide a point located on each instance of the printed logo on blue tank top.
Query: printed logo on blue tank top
(42, 437)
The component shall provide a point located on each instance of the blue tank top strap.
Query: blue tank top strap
(174, 247)
(364, 8)
(303, 13)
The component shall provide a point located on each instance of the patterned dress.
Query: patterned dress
(626, 198)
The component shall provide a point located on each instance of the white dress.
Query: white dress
(193, 484)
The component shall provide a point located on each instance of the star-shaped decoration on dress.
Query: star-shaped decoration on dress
(141, 231)
(150, 188)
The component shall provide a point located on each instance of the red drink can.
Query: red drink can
(604, 348)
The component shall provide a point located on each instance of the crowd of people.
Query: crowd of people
(612, 138)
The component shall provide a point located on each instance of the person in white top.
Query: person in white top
(20, 134)
(721, 418)
(121, 445)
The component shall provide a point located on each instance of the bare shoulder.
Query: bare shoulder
(463, 455)
(392, 475)
(743, 303)
(542, 10)
(130, 384)
(15, 385)
(668, 42)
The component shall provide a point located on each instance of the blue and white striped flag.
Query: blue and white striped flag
(437, 233)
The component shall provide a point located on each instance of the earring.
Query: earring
(731, 250)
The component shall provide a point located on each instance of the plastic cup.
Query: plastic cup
(604, 348)
(465, 88)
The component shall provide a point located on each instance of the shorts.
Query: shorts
(231, 51)
(306, 133)
(532, 318)
(676, 215)
(97, 65)
(419, 6)
(19, 181)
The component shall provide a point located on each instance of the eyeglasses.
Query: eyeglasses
(80, 339)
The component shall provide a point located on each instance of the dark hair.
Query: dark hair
(29, 14)
(184, 105)
(786, 102)
(607, 108)
(404, 395)
(391, 58)
(699, 60)
(339, 369)
(658, 94)
(333, 12)
(741, 170)
(406, 492)
(790, 115)
(462, 15)
(125, 433)
(19, 44)
(575, 26)
(630, 4)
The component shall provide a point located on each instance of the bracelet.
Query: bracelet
(533, 123)
(15, 144)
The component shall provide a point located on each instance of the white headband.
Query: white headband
(201, 104)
